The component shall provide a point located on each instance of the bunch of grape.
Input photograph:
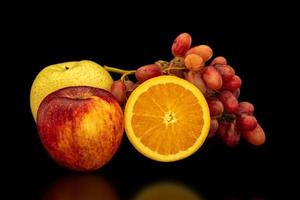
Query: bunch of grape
(230, 119)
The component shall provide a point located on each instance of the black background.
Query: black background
(127, 41)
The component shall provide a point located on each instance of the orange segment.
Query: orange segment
(167, 118)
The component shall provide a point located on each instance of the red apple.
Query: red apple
(81, 127)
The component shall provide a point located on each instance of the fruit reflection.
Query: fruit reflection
(81, 187)
(167, 191)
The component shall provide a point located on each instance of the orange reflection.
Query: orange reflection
(81, 187)
(167, 190)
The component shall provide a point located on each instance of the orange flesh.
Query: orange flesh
(167, 118)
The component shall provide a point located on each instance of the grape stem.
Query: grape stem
(226, 117)
(118, 71)
(167, 70)
(124, 73)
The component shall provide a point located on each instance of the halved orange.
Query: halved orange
(167, 118)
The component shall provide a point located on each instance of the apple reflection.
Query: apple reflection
(81, 187)
(167, 190)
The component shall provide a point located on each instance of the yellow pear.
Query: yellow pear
(75, 73)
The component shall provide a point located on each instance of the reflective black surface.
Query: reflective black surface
(213, 172)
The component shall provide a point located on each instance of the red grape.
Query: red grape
(118, 89)
(220, 60)
(129, 85)
(196, 79)
(229, 101)
(148, 71)
(212, 78)
(234, 83)
(233, 137)
(134, 86)
(246, 122)
(214, 125)
(236, 93)
(223, 126)
(181, 44)
(202, 50)
(216, 107)
(193, 62)
(256, 136)
(226, 72)
(246, 107)
(229, 133)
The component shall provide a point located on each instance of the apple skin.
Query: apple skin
(81, 127)
(67, 74)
